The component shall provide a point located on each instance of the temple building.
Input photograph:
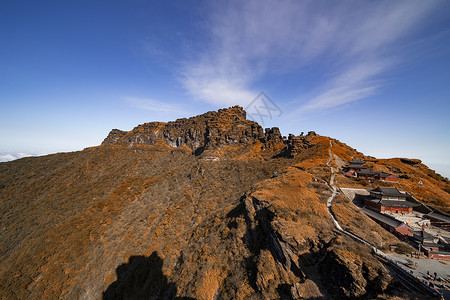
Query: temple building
(357, 168)
(399, 228)
(388, 199)
(356, 165)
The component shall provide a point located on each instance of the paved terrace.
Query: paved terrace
(350, 193)
(414, 222)
(424, 265)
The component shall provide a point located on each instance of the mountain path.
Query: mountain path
(407, 280)
(330, 200)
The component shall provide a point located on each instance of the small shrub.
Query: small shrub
(402, 248)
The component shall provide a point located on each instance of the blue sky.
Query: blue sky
(373, 74)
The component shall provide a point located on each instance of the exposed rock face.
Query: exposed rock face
(114, 136)
(295, 145)
(207, 132)
(411, 162)
(203, 132)
(273, 135)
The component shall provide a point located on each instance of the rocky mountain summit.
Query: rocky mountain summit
(212, 129)
(205, 132)
(146, 215)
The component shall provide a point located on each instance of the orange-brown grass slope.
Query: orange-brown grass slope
(68, 220)
(434, 190)
(306, 237)
(273, 244)
(152, 221)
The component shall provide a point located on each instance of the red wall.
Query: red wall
(400, 210)
(438, 256)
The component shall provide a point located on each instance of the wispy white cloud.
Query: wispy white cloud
(357, 82)
(218, 89)
(354, 42)
(156, 106)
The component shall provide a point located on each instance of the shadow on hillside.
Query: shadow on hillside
(142, 278)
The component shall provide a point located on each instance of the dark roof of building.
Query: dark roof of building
(431, 245)
(351, 165)
(443, 252)
(398, 203)
(439, 216)
(388, 191)
(382, 174)
(388, 220)
(357, 167)
(357, 161)
(393, 203)
(366, 172)
(423, 235)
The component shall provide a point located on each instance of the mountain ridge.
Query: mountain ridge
(148, 214)
(207, 132)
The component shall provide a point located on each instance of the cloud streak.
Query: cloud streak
(155, 106)
(353, 42)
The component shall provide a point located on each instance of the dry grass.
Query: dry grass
(63, 214)
(434, 191)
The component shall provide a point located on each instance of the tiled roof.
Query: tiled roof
(382, 218)
(439, 216)
(392, 203)
(355, 166)
(397, 203)
(366, 172)
(388, 191)
(357, 161)
(431, 245)
(383, 174)
(423, 235)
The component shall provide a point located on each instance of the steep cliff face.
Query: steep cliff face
(200, 133)
(143, 216)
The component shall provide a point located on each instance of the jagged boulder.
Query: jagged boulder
(295, 145)
(273, 135)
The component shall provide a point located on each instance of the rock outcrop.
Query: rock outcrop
(294, 145)
(273, 135)
(203, 132)
(207, 132)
